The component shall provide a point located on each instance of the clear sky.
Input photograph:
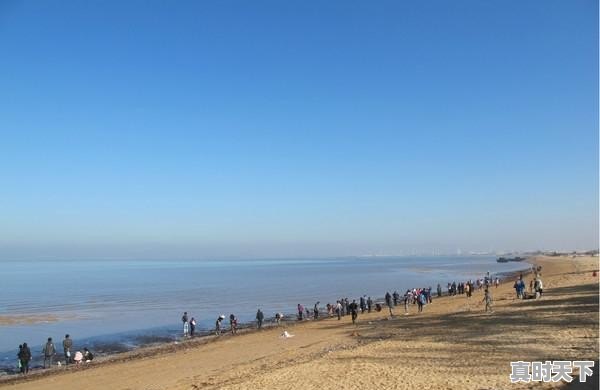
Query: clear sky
(160, 129)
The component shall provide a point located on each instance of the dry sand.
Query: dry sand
(454, 344)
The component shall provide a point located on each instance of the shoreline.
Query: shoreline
(169, 341)
(141, 307)
(206, 336)
(563, 324)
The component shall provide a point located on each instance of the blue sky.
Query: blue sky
(268, 128)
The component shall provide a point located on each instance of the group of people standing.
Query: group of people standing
(24, 356)
(469, 286)
(189, 326)
(343, 307)
(536, 287)
(416, 296)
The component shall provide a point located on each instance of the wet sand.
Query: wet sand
(27, 319)
(454, 344)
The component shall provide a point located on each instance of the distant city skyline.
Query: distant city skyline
(144, 129)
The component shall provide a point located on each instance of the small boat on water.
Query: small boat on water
(507, 259)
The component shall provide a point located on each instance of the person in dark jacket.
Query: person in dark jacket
(49, 352)
(192, 327)
(24, 358)
(259, 318)
(67, 346)
(87, 355)
(233, 323)
(363, 305)
(388, 302)
(354, 311)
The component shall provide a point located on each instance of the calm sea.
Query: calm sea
(114, 305)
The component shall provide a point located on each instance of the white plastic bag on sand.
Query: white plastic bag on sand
(286, 335)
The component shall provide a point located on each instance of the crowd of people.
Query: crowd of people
(536, 286)
(49, 354)
(419, 297)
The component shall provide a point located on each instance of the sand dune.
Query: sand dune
(454, 344)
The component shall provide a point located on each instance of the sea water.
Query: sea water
(114, 305)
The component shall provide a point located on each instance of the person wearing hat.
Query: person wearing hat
(218, 324)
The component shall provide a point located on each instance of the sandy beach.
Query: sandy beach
(454, 344)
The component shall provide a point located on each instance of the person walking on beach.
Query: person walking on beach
(497, 282)
(388, 302)
(192, 327)
(67, 345)
(531, 286)
(186, 324)
(300, 312)
(396, 297)
(420, 301)
(24, 358)
(363, 305)
(338, 310)
(354, 311)
(218, 324)
(519, 287)
(278, 317)
(259, 318)
(369, 304)
(538, 288)
(439, 290)
(316, 311)
(49, 352)
(487, 298)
